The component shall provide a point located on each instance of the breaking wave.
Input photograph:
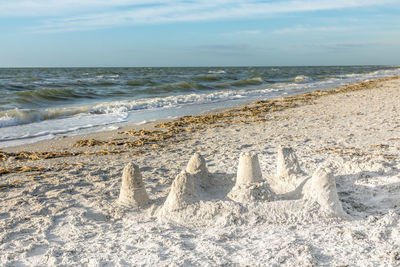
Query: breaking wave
(251, 81)
(302, 79)
(24, 116)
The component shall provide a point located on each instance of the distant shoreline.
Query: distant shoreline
(205, 66)
(203, 120)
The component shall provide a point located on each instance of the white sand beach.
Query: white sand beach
(59, 199)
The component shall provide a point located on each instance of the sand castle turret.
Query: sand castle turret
(197, 164)
(249, 182)
(321, 188)
(182, 192)
(249, 170)
(197, 167)
(132, 191)
(287, 163)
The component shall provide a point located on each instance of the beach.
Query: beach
(59, 197)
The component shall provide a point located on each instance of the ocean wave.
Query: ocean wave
(107, 73)
(24, 116)
(216, 72)
(302, 79)
(49, 129)
(140, 82)
(46, 94)
(251, 81)
(182, 86)
(209, 78)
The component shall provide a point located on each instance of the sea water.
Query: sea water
(43, 103)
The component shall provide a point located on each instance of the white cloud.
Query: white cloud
(71, 15)
(303, 29)
(244, 32)
(38, 8)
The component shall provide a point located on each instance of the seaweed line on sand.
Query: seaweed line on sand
(47, 155)
(250, 113)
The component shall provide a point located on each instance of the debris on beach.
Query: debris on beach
(21, 169)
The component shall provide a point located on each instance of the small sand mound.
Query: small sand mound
(321, 188)
(182, 193)
(197, 167)
(132, 191)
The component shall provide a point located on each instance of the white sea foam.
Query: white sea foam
(302, 79)
(48, 129)
(24, 116)
(216, 72)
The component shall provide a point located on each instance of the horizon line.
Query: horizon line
(188, 66)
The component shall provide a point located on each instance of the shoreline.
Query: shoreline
(139, 139)
(46, 130)
(264, 105)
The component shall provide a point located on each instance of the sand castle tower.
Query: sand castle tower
(288, 172)
(132, 191)
(249, 182)
(249, 170)
(197, 167)
(182, 192)
(321, 188)
(183, 188)
(287, 163)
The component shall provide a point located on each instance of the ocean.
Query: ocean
(43, 103)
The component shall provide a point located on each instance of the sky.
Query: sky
(136, 33)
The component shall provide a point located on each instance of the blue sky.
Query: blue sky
(58, 33)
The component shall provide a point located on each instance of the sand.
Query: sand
(339, 206)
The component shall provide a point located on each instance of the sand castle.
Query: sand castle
(195, 181)
(132, 191)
